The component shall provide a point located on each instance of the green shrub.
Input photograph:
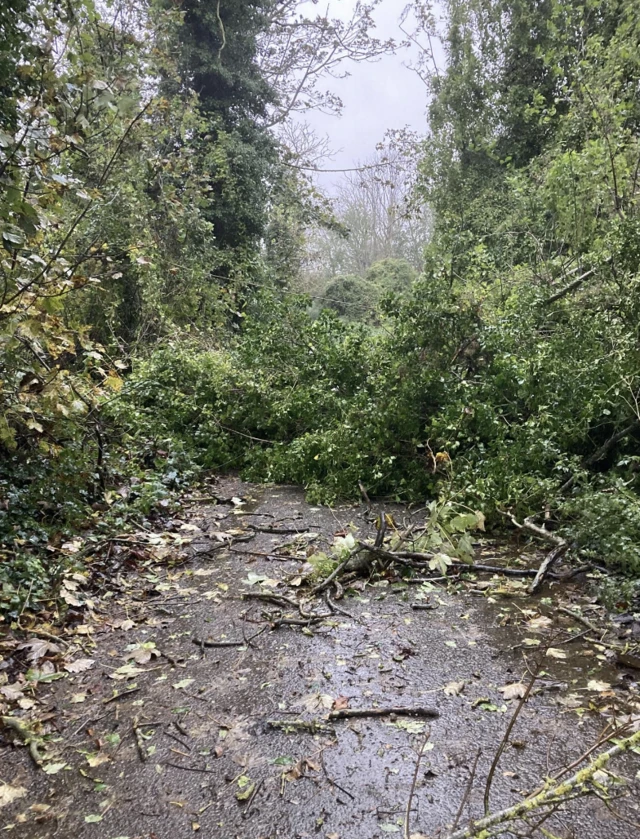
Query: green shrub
(352, 297)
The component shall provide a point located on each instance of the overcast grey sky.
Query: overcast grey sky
(377, 95)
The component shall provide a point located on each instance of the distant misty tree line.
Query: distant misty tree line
(382, 232)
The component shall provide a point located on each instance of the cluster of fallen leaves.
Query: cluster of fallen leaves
(57, 640)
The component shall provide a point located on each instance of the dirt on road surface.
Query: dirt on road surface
(152, 734)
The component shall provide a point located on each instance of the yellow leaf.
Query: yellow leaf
(113, 381)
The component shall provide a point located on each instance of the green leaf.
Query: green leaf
(184, 683)
(93, 819)
(54, 768)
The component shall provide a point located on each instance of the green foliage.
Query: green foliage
(352, 297)
(217, 58)
(604, 521)
(358, 298)
(116, 182)
(616, 593)
(447, 535)
(321, 565)
(391, 275)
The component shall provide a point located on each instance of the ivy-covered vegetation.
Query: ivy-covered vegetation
(154, 215)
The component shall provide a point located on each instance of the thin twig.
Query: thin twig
(467, 791)
(505, 739)
(188, 768)
(407, 816)
(578, 617)
(122, 695)
(335, 608)
(349, 713)
(215, 644)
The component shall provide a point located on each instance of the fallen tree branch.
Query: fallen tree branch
(505, 739)
(276, 623)
(280, 531)
(548, 563)
(337, 571)
(351, 713)
(496, 569)
(552, 794)
(568, 288)
(417, 555)
(529, 525)
(561, 547)
(297, 726)
(215, 644)
(470, 566)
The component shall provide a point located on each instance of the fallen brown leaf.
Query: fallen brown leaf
(513, 691)
(79, 665)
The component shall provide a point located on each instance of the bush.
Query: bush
(391, 275)
(353, 298)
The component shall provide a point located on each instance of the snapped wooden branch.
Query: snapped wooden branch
(561, 547)
(568, 288)
(337, 571)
